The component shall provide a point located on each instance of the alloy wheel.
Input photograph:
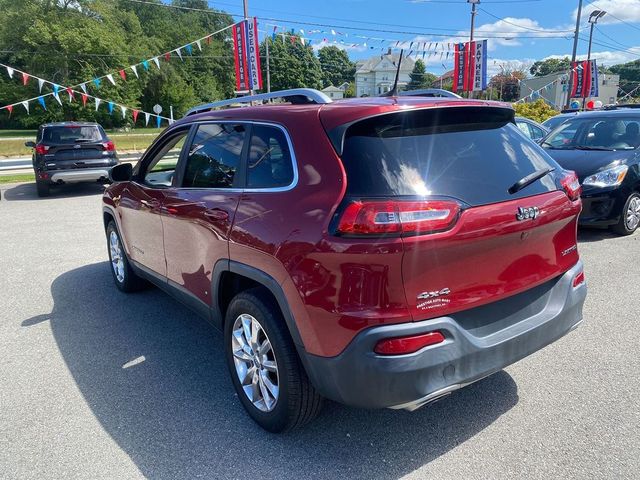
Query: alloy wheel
(633, 214)
(255, 363)
(117, 260)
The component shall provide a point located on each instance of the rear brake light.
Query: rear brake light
(398, 217)
(109, 146)
(578, 279)
(571, 185)
(42, 149)
(410, 344)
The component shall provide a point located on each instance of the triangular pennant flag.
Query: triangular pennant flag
(97, 82)
(41, 102)
(40, 84)
(111, 105)
(158, 120)
(10, 72)
(10, 108)
(70, 92)
(25, 78)
(167, 56)
(84, 99)
(97, 103)
(57, 97)
(122, 74)
(199, 45)
(134, 69)
(135, 115)
(145, 64)
(25, 104)
(156, 61)
(56, 88)
(178, 52)
(110, 78)
(83, 86)
(123, 109)
(146, 118)
(189, 49)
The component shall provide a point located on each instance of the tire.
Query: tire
(630, 216)
(42, 188)
(296, 401)
(123, 275)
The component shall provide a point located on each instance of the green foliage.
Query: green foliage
(538, 111)
(336, 66)
(550, 65)
(291, 64)
(419, 77)
(69, 42)
(506, 86)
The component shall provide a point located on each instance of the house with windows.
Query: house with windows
(376, 75)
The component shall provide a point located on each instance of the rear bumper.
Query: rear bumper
(79, 175)
(359, 377)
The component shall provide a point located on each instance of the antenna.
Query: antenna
(394, 91)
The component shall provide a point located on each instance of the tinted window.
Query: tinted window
(536, 133)
(270, 163)
(214, 156)
(72, 134)
(162, 167)
(593, 132)
(473, 154)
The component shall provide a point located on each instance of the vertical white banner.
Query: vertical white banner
(253, 54)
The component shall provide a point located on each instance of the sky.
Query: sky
(518, 31)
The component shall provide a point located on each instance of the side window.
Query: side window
(524, 126)
(214, 156)
(162, 168)
(536, 133)
(270, 164)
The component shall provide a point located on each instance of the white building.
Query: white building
(376, 75)
(334, 93)
(556, 93)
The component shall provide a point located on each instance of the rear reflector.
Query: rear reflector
(410, 344)
(398, 217)
(578, 279)
(571, 185)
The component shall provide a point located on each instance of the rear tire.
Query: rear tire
(123, 275)
(630, 216)
(266, 367)
(42, 188)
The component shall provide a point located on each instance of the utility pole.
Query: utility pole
(593, 19)
(473, 21)
(573, 54)
(266, 44)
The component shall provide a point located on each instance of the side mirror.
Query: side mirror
(121, 173)
(30, 144)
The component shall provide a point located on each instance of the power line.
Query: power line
(617, 18)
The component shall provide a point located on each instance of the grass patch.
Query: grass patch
(17, 178)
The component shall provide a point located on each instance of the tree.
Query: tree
(291, 64)
(550, 65)
(336, 66)
(537, 111)
(507, 84)
(419, 77)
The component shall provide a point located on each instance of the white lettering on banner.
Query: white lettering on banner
(477, 74)
(253, 55)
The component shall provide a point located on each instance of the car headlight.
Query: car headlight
(607, 178)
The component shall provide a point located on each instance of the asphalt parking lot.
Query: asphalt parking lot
(98, 384)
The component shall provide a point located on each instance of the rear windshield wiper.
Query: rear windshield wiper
(529, 179)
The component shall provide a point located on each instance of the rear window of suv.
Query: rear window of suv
(72, 134)
(473, 154)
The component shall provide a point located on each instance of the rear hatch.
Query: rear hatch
(76, 146)
(445, 180)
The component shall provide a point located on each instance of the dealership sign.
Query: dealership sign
(246, 51)
(585, 79)
(470, 67)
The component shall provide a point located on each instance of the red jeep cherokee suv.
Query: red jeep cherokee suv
(379, 252)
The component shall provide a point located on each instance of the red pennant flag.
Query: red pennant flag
(25, 78)
(123, 75)
(70, 92)
(84, 99)
(293, 39)
(209, 40)
(135, 115)
(10, 108)
(167, 56)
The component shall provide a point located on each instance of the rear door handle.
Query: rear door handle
(216, 214)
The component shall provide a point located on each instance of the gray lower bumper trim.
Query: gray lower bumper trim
(79, 175)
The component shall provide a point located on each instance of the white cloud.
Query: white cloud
(606, 57)
(627, 10)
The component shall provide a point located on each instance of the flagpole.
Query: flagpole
(266, 43)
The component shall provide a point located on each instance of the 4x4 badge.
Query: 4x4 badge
(526, 213)
(434, 294)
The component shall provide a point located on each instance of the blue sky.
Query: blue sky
(518, 31)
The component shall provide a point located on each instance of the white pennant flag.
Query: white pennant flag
(124, 111)
(177, 50)
(57, 97)
(83, 86)
(25, 104)
(40, 84)
(110, 78)
(97, 103)
(134, 69)
(302, 40)
(156, 61)
(146, 118)
(199, 45)
(10, 72)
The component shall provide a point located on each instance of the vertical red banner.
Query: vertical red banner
(240, 56)
(459, 68)
(470, 48)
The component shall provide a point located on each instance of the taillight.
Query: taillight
(42, 149)
(409, 344)
(397, 217)
(109, 146)
(571, 185)
(578, 279)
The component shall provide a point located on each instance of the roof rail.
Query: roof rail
(294, 95)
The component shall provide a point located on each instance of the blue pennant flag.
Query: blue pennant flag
(158, 120)
(41, 102)
(189, 49)
(145, 64)
(56, 88)
(97, 82)
(110, 108)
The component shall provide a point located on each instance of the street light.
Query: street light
(593, 19)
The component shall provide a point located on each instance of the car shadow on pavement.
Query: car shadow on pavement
(586, 234)
(27, 191)
(154, 376)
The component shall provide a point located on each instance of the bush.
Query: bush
(538, 111)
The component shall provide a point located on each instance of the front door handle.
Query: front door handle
(216, 214)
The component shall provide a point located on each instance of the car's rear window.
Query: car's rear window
(473, 154)
(72, 134)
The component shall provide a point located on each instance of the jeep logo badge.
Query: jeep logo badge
(526, 213)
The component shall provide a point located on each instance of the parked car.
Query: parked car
(553, 122)
(429, 92)
(380, 252)
(603, 149)
(531, 129)
(71, 152)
